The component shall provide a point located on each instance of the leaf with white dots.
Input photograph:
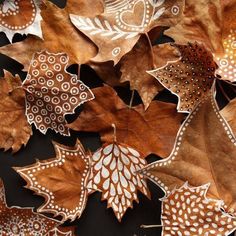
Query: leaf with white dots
(114, 172)
(191, 77)
(61, 181)
(52, 92)
(20, 17)
(187, 211)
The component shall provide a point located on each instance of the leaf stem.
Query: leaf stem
(151, 49)
(114, 132)
(131, 99)
(150, 226)
(223, 91)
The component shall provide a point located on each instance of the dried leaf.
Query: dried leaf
(114, 173)
(21, 17)
(15, 130)
(61, 181)
(229, 113)
(187, 211)
(55, 39)
(204, 152)
(133, 125)
(117, 30)
(52, 92)
(191, 77)
(23, 221)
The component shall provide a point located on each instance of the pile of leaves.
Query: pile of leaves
(156, 49)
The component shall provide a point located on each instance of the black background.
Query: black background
(96, 220)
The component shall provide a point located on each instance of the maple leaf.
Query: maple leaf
(61, 181)
(133, 125)
(113, 172)
(23, 221)
(229, 113)
(187, 211)
(191, 77)
(134, 70)
(204, 152)
(55, 39)
(117, 30)
(51, 92)
(21, 17)
(15, 130)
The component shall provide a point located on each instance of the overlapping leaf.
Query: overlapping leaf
(61, 181)
(133, 125)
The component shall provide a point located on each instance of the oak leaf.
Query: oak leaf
(15, 130)
(187, 211)
(21, 17)
(61, 181)
(191, 77)
(114, 172)
(52, 92)
(204, 152)
(133, 125)
(117, 30)
(55, 39)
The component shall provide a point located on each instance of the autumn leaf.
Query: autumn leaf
(229, 113)
(21, 17)
(52, 92)
(56, 28)
(133, 125)
(187, 211)
(15, 130)
(117, 30)
(23, 221)
(61, 181)
(114, 173)
(204, 152)
(191, 77)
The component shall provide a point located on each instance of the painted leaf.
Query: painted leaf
(55, 39)
(204, 152)
(23, 221)
(191, 77)
(15, 130)
(117, 30)
(114, 172)
(61, 181)
(133, 125)
(21, 17)
(187, 211)
(229, 113)
(52, 92)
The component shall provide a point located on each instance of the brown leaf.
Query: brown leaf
(52, 92)
(204, 152)
(20, 17)
(189, 78)
(61, 181)
(23, 221)
(141, 59)
(59, 35)
(15, 130)
(229, 113)
(117, 30)
(187, 211)
(133, 125)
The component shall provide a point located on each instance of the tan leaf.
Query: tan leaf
(20, 17)
(229, 113)
(61, 181)
(187, 211)
(114, 172)
(15, 130)
(191, 77)
(56, 27)
(204, 152)
(23, 221)
(117, 30)
(52, 92)
(133, 125)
